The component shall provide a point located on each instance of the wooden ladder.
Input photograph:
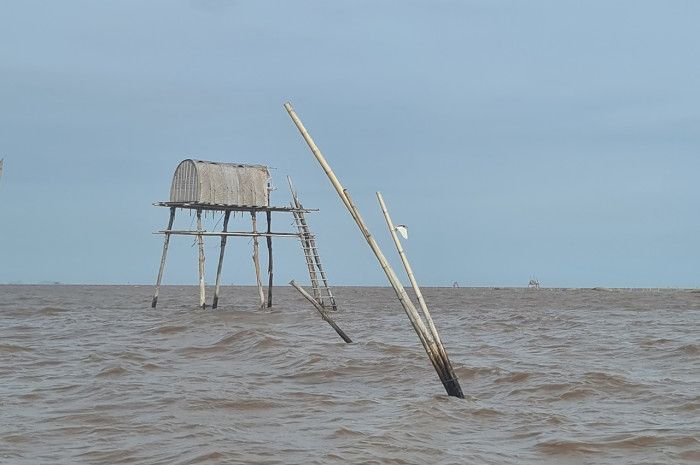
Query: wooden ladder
(321, 291)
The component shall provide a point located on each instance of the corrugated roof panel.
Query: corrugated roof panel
(220, 183)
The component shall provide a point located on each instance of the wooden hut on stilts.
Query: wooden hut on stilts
(223, 188)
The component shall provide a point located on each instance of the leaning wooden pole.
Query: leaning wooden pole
(410, 310)
(154, 302)
(322, 311)
(424, 335)
(452, 388)
(200, 242)
(256, 259)
(269, 259)
(215, 303)
(416, 288)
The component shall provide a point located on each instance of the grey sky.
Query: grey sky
(515, 138)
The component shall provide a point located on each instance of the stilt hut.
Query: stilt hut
(206, 186)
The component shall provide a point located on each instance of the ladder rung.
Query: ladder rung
(321, 290)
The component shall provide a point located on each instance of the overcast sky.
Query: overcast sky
(556, 139)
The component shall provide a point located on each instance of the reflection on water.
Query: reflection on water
(91, 374)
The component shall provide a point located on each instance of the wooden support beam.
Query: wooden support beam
(223, 208)
(256, 259)
(269, 259)
(215, 303)
(322, 311)
(166, 241)
(226, 233)
(200, 242)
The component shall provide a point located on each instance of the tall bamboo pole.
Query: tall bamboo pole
(424, 335)
(200, 242)
(256, 259)
(416, 288)
(166, 241)
(215, 303)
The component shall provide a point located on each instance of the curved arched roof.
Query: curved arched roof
(214, 183)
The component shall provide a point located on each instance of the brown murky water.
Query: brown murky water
(92, 375)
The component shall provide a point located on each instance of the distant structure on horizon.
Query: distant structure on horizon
(533, 284)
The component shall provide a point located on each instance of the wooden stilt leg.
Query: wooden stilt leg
(269, 260)
(154, 302)
(256, 260)
(200, 241)
(215, 303)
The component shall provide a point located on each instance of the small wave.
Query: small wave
(642, 441)
(242, 340)
(248, 338)
(49, 311)
(131, 356)
(515, 377)
(601, 379)
(651, 342)
(689, 406)
(233, 404)
(63, 388)
(168, 329)
(689, 349)
(109, 372)
(545, 388)
(388, 349)
(565, 447)
(690, 455)
(463, 372)
(631, 442)
(11, 348)
(486, 412)
(576, 394)
(556, 419)
(345, 433)
(16, 438)
(208, 457)
(93, 358)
